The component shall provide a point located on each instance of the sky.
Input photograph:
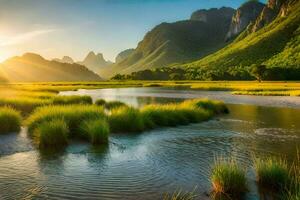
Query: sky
(55, 28)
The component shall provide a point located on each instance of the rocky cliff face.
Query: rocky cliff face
(244, 16)
(268, 14)
(273, 9)
(213, 15)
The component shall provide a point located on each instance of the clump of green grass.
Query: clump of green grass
(217, 107)
(24, 104)
(176, 114)
(114, 104)
(228, 178)
(74, 99)
(96, 131)
(272, 173)
(73, 115)
(52, 134)
(100, 102)
(126, 119)
(10, 120)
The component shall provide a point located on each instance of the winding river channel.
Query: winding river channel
(147, 165)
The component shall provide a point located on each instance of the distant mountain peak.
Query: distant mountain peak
(33, 67)
(32, 56)
(95, 61)
(65, 59)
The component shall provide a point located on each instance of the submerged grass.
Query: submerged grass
(228, 178)
(52, 134)
(96, 131)
(10, 120)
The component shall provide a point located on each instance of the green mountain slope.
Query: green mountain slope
(178, 42)
(275, 45)
(32, 67)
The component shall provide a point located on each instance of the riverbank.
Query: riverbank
(237, 87)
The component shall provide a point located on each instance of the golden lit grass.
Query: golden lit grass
(24, 104)
(10, 120)
(73, 115)
(94, 123)
(250, 86)
(269, 93)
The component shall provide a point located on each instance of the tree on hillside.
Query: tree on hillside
(258, 71)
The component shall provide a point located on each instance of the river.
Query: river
(147, 165)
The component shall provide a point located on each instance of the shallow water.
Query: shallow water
(147, 165)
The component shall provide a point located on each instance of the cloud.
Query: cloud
(23, 37)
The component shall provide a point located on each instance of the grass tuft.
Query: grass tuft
(73, 115)
(10, 120)
(100, 102)
(126, 119)
(228, 178)
(66, 100)
(114, 104)
(52, 134)
(96, 131)
(272, 173)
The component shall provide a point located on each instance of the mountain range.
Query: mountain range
(179, 42)
(211, 44)
(216, 41)
(94, 62)
(273, 39)
(32, 67)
